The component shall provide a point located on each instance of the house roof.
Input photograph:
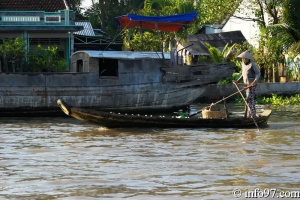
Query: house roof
(196, 43)
(219, 39)
(33, 5)
(123, 54)
(88, 29)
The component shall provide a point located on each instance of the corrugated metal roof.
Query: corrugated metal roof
(218, 40)
(87, 29)
(36, 5)
(124, 54)
(197, 48)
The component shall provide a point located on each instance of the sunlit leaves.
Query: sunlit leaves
(216, 11)
(46, 59)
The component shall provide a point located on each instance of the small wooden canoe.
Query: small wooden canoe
(117, 120)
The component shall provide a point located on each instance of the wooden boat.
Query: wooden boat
(117, 120)
(112, 80)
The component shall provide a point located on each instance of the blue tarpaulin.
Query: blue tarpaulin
(164, 23)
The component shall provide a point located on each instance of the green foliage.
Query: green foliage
(102, 13)
(75, 5)
(216, 11)
(277, 100)
(215, 54)
(229, 80)
(139, 42)
(281, 37)
(16, 59)
(280, 100)
(284, 38)
(160, 8)
(102, 16)
(46, 59)
(230, 54)
(13, 52)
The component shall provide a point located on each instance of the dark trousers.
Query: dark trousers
(250, 97)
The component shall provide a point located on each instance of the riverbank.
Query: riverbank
(215, 91)
(211, 93)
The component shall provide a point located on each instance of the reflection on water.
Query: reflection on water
(62, 158)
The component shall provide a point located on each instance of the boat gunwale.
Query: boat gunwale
(118, 120)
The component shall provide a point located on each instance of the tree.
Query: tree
(209, 12)
(286, 35)
(265, 13)
(75, 5)
(135, 36)
(102, 13)
(46, 60)
(13, 54)
(15, 58)
(217, 11)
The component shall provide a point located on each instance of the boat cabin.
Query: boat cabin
(109, 63)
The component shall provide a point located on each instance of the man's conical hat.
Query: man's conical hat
(246, 54)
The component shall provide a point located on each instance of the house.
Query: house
(39, 22)
(195, 44)
(249, 28)
(94, 39)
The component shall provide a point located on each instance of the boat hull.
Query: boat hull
(44, 90)
(111, 81)
(117, 120)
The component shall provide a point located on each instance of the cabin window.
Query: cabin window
(79, 66)
(108, 67)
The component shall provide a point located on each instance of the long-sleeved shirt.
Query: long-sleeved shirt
(250, 73)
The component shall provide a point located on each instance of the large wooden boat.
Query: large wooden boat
(118, 120)
(114, 80)
(111, 80)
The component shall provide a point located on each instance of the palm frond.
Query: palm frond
(282, 34)
(295, 48)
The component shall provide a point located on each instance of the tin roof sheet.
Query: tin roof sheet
(196, 43)
(125, 54)
(87, 29)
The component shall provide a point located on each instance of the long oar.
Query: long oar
(253, 117)
(218, 102)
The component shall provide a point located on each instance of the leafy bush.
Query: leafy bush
(228, 80)
(13, 53)
(46, 60)
(15, 59)
(278, 100)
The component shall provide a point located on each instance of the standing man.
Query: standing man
(250, 75)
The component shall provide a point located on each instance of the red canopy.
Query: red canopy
(163, 23)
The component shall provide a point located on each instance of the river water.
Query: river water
(63, 158)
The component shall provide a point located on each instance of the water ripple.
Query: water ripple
(62, 158)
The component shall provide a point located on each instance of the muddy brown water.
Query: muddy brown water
(63, 158)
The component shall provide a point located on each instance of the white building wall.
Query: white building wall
(249, 28)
